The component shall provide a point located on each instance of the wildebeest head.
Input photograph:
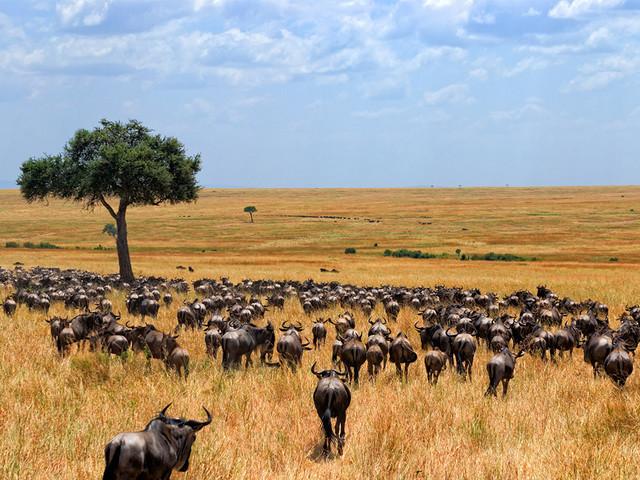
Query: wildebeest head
(327, 373)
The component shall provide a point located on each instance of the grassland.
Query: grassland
(557, 422)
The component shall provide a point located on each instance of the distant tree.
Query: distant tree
(115, 162)
(110, 229)
(250, 210)
(458, 251)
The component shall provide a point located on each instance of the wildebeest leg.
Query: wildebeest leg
(399, 370)
(560, 354)
(406, 372)
(341, 420)
(505, 386)
(469, 369)
(356, 373)
(248, 362)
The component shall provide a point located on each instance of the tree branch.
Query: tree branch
(108, 207)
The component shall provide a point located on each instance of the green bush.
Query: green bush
(350, 250)
(43, 245)
(613, 259)
(12, 245)
(499, 257)
(404, 253)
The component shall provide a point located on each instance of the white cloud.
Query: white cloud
(532, 107)
(532, 12)
(527, 64)
(454, 93)
(479, 73)
(577, 8)
(594, 81)
(87, 13)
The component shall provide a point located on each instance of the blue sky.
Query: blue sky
(348, 93)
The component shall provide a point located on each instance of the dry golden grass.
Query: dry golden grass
(557, 421)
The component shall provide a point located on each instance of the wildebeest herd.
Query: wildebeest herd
(453, 323)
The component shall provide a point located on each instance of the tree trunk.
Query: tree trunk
(251, 215)
(122, 243)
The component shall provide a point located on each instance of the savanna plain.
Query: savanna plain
(557, 421)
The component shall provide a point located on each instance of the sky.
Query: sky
(336, 93)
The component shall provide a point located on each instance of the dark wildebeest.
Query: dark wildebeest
(187, 317)
(379, 327)
(331, 398)
(343, 323)
(382, 343)
(112, 344)
(596, 349)
(401, 352)
(392, 309)
(353, 355)
(212, 340)
(175, 357)
(619, 364)
(9, 307)
(375, 357)
(242, 342)
(290, 347)
(567, 339)
(336, 349)
(154, 453)
(434, 362)
(319, 332)
(56, 324)
(84, 325)
(435, 336)
(501, 368)
(65, 339)
(497, 343)
(149, 307)
(463, 347)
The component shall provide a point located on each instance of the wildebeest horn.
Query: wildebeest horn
(331, 321)
(298, 326)
(370, 322)
(196, 425)
(384, 321)
(164, 410)
(313, 369)
(448, 334)
(419, 329)
(127, 324)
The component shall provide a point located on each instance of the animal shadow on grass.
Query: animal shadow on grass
(317, 455)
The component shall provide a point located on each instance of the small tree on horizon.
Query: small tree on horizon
(250, 210)
(115, 162)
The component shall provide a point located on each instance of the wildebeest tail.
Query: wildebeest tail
(325, 418)
(112, 458)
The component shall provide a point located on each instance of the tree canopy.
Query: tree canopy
(121, 161)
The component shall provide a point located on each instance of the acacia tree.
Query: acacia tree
(116, 165)
(250, 210)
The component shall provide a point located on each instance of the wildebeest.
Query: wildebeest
(596, 349)
(242, 342)
(501, 368)
(435, 336)
(343, 323)
(175, 357)
(331, 399)
(375, 357)
(463, 347)
(154, 453)
(65, 339)
(382, 343)
(567, 339)
(149, 307)
(319, 332)
(434, 362)
(379, 327)
(212, 340)
(9, 307)
(619, 364)
(353, 354)
(402, 353)
(290, 347)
